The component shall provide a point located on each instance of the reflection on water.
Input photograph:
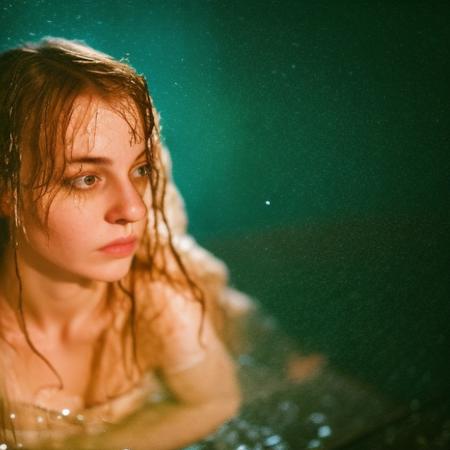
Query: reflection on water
(318, 411)
(326, 410)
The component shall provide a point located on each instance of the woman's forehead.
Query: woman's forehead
(96, 124)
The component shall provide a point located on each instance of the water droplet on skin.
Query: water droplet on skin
(65, 411)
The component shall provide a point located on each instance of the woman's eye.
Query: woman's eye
(142, 171)
(84, 182)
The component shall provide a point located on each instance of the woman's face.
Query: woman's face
(104, 197)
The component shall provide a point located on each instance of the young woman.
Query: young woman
(105, 303)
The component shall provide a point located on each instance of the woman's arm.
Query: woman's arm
(201, 379)
(207, 395)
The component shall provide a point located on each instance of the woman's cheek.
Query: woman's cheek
(73, 222)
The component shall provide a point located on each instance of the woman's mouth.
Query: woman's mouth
(120, 247)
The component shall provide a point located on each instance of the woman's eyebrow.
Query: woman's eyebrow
(99, 160)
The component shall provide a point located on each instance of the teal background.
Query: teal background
(309, 141)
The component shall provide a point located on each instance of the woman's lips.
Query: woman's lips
(120, 247)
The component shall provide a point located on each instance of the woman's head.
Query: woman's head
(80, 161)
(102, 195)
(81, 166)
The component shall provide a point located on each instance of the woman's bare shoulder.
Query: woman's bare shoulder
(160, 304)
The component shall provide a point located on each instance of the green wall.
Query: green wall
(323, 109)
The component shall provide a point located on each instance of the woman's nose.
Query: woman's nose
(127, 205)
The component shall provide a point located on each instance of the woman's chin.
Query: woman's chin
(113, 271)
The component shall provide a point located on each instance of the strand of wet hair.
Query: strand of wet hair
(195, 289)
(131, 294)
(22, 322)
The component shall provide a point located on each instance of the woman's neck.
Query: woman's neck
(59, 307)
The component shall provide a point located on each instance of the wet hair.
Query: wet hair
(39, 84)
